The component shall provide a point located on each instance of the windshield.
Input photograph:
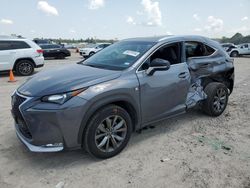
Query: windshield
(119, 56)
(91, 45)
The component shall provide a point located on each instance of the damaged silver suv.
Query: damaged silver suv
(96, 104)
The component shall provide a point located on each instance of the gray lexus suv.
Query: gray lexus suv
(96, 104)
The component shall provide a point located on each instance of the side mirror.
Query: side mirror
(158, 65)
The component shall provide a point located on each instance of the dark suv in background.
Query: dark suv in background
(54, 51)
(96, 104)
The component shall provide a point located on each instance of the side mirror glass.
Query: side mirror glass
(158, 65)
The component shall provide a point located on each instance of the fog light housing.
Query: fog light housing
(54, 145)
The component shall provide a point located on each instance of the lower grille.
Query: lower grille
(16, 101)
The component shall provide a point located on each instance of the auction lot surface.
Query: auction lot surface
(192, 150)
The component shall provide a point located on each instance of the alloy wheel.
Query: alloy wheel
(25, 68)
(110, 133)
(219, 101)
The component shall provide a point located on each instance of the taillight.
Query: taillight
(40, 51)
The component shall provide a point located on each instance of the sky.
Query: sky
(119, 19)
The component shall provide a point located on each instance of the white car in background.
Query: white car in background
(91, 49)
(241, 49)
(20, 55)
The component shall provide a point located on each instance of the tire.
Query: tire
(234, 54)
(91, 53)
(24, 67)
(102, 142)
(217, 98)
(61, 56)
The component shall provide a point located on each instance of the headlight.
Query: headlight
(62, 98)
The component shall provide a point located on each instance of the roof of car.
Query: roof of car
(167, 37)
(49, 44)
(5, 37)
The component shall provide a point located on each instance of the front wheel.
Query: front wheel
(107, 132)
(61, 56)
(91, 53)
(217, 98)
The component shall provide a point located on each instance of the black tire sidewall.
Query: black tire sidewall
(211, 90)
(61, 56)
(97, 118)
(24, 61)
(234, 54)
(91, 53)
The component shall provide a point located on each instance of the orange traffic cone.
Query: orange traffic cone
(11, 78)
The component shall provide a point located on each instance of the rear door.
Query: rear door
(56, 50)
(6, 56)
(202, 59)
(164, 93)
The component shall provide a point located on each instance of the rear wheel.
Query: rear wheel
(217, 98)
(24, 67)
(108, 132)
(234, 54)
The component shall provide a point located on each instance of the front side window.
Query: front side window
(119, 56)
(91, 45)
(100, 46)
(170, 52)
(197, 49)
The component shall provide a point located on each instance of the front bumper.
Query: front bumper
(33, 148)
(39, 61)
(83, 53)
(46, 127)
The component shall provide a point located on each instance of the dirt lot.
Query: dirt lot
(192, 150)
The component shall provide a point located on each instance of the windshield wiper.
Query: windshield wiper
(96, 66)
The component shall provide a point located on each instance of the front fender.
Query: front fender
(95, 105)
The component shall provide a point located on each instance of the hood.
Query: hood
(64, 79)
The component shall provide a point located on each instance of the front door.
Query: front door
(165, 92)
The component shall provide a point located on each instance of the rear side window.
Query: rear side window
(44, 46)
(19, 45)
(198, 49)
(55, 46)
(49, 46)
(13, 45)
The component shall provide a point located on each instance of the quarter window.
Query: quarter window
(19, 45)
(197, 49)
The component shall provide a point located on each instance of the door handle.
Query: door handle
(183, 75)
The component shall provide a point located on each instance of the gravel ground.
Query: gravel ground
(192, 150)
